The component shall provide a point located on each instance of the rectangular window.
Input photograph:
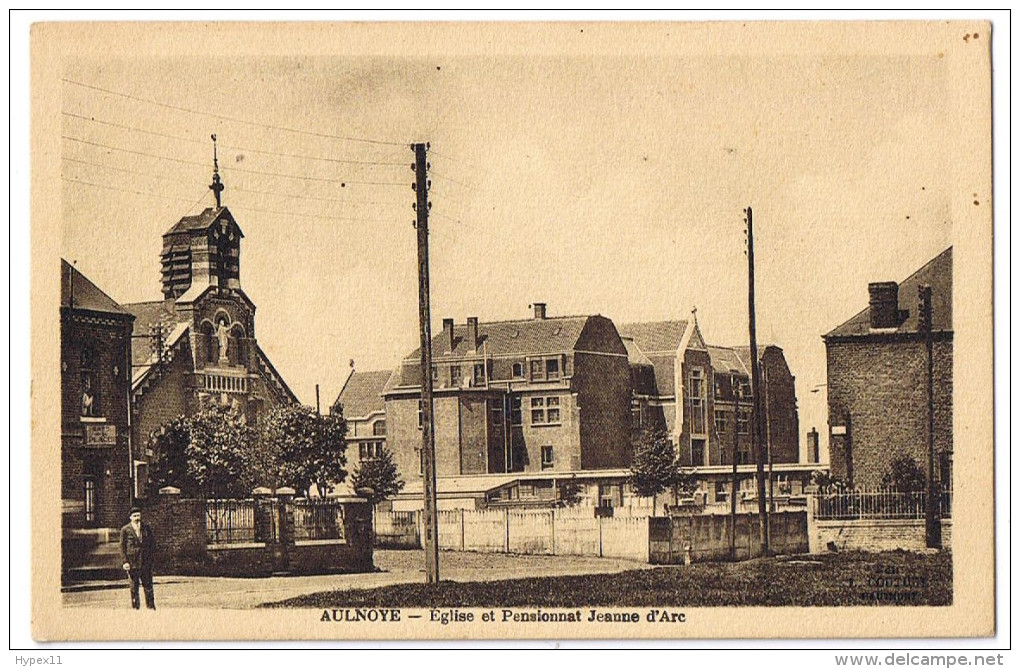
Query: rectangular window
(90, 500)
(497, 415)
(545, 410)
(745, 388)
(379, 428)
(547, 457)
(141, 479)
(635, 417)
(479, 377)
(370, 450)
(516, 414)
(527, 489)
(720, 422)
(420, 420)
(743, 420)
(456, 376)
(537, 370)
(435, 375)
(537, 410)
(552, 369)
(518, 370)
(697, 384)
(420, 454)
(698, 453)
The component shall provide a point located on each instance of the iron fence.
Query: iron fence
(882, 504)
(230, 521)
(318, 519)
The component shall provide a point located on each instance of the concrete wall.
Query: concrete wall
(538, 532)
(881, 383)
(706, 538)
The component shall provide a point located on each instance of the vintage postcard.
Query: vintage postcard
(511, 330)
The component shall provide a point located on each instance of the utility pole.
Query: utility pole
(428, 442)
(768, 437)
(932, 522)
(736, 482)
(318, 410)
(756, 413)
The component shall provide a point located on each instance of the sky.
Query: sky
(599, 181)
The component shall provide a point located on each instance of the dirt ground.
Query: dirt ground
(393, 567)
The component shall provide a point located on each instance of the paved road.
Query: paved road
(394, 567)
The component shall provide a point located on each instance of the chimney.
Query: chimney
(884, 304)
(813, 451)
(539, 310)
(472, 335)
(448, 331)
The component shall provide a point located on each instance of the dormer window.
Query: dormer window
(518, 370)
(552, 368)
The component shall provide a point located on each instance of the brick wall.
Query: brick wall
(881, 383)
(180, 529)
(874, 535)
(107, 336)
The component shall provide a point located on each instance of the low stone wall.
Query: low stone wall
(874, 535)
(706, 538)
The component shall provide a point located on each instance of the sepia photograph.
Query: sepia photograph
(512, 330)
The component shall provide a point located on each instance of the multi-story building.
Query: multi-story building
(877, 379)
(541, 394)
(95, 381)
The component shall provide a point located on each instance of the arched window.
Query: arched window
(209, 342)
(239, 344)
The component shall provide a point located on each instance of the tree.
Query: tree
(378, 475)
(570, 492)
(655, 467)
(905, 475)
(310, 449)
(825, 481)
(205, 455)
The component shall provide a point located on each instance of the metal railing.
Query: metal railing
(316, 519)
(883, 504)
(230, 521)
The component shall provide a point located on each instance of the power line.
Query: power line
(238, 207)
(342, 182)
(125, 190)
(233, 119)
(120, 169)
(345, 161)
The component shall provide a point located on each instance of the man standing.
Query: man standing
(137, 550)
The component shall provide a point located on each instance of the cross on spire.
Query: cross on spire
(216, 186)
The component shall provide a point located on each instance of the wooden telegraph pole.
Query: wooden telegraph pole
(428, 442)
(932, 522)
(756, 412)
(736, 481)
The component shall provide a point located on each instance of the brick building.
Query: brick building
(203, 330)
(877, 379)
(95, 385)
(713, 383)
(541, 394)
(361, 402)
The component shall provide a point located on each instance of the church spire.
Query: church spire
(216, 186)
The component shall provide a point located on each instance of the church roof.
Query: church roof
(727, 360)
(937, 273)
(202, 221)
(146, 315)
(74, 286)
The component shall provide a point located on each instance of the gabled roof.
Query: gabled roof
(143, 370)
(534, 336)
(938, 273)
(727, 360)
(202, 221)
(146, 315)
(84, 294)
(362, 393)
(655, 337)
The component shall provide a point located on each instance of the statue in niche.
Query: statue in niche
(223, 336)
